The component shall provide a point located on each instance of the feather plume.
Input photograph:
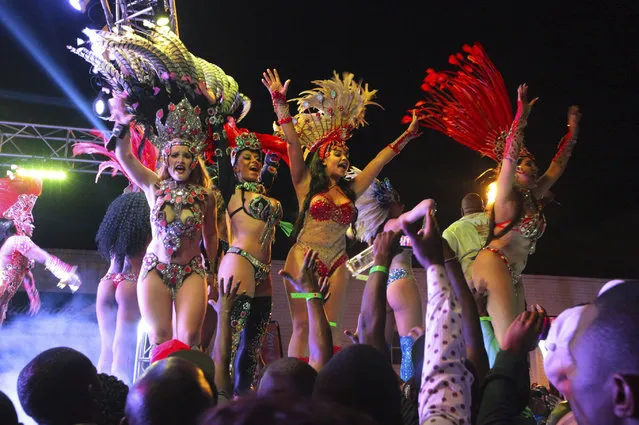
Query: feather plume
(332, 110)
(469, 104)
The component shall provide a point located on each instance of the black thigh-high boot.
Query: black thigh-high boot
(240, 311)
(251, 337)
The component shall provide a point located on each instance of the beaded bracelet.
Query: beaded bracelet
(285, 120)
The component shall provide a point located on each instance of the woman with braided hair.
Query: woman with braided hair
(319, 161)
(471, 105)
(122, 238)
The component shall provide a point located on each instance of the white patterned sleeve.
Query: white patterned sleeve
(445, 393)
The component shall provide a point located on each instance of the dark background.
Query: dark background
(568, 52)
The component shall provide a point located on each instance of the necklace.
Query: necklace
(254, 187)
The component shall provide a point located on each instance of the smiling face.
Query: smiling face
(248, 166)
(336, 162)
(527, 172)
(179, 163)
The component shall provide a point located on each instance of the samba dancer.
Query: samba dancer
(18, 253)
(471, 106)
(319, 159)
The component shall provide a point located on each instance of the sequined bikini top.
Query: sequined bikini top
(531, 226)
(323, 208)
(13, 272)
(260, 208)
(181, 197)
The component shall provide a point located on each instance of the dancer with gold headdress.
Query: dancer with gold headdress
(18, 253)
(471, 105)
(327, 117)
(182, 101)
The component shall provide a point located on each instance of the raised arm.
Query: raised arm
(222, 345)
(209, 228)
(417, 213)
(564, 151)
(513, 146)
(363, 180)
(373, 309)
(299, 171)
(141, 176)
(63, 271)
(471, 327)
(320, 340)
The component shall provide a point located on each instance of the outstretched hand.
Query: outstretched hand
(227, 293)
(271, 80)
(307, 280)
(354, 336)
(523, 333)
(120, 113)
(385, 246)
(427, 242)
(523, 106)
(413, 127)
(574, 116)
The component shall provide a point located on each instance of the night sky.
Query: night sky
(568, 52)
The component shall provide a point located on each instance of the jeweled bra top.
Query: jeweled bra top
(325, 224)
(180, 197)
(260, 208)
(12, 274)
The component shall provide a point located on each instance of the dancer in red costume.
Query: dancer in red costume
(18, 253)
(319, 159)
(471, 105)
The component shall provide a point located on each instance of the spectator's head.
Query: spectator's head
(59, 387)
(112, 399)
(274, 410)
(361, 378)
(176, 348)
(472, 203)
(8, 415)
(172, 391)
(604, 381)
(287, 376)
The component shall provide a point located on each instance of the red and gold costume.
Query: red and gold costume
(17, 198)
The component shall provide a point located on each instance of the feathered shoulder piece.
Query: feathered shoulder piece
(142, 148)
(469, 104)
(330, 112)
(373, 207)
(18, 195)
(172, 93)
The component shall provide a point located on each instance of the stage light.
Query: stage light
(491, 193)
(163, 21)
(160, 13)
(79, 5)
(101, 104)
(40, 173)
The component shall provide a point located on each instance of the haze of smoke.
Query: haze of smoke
(25, 337)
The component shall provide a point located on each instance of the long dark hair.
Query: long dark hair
(320, 183)
(125, 228)
(7, 229)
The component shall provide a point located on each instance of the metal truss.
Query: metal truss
(31, 143)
